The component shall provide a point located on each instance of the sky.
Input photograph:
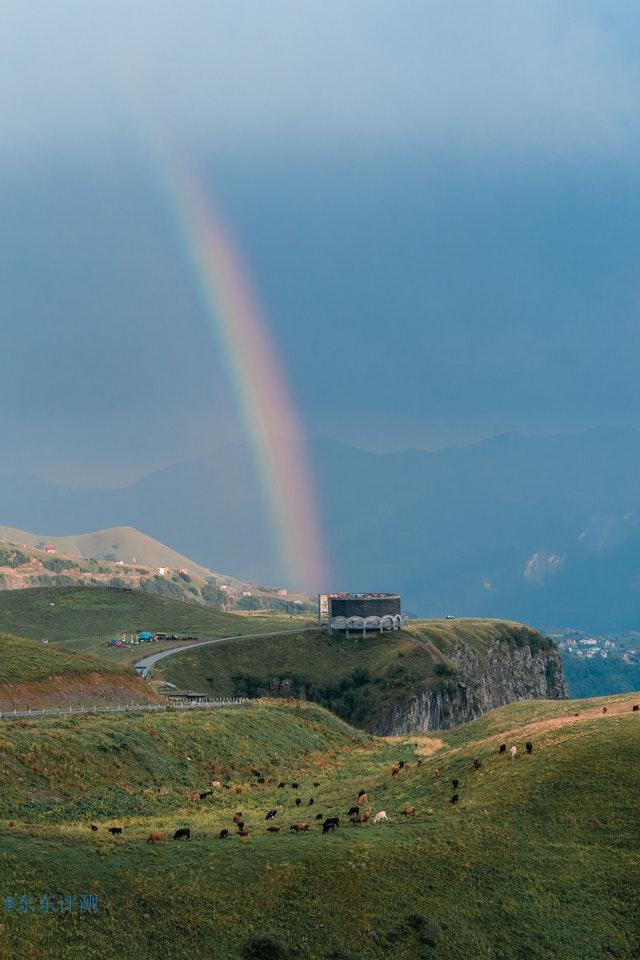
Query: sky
(436, 201)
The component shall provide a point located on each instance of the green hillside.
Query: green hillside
(80, 618)
(360, 679)
(116, 543)
(538, 859)
(34, 675)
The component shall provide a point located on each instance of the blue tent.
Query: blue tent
(144, 635)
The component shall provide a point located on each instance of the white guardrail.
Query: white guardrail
(126, 708)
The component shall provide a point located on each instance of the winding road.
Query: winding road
(145, 665)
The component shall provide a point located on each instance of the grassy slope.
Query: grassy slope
(123, 543)
(398, 664)
(80, 618)
(25, 661)
(538, 860)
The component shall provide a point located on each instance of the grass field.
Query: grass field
(81, 618)
(360, 679)
(537, 860)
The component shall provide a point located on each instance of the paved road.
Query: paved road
(145, 665)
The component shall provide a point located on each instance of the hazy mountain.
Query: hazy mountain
(540, 529)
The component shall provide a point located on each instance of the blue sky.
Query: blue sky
(438, 203)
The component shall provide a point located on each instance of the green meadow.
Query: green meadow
(538, 859)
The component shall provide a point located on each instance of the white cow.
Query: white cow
(379, 817)
(512, 752)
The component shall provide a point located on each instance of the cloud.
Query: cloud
(504, 74)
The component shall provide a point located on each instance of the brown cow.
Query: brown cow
(395, 771)
(409, 811)
(437, 774)
(299, 827)
(237, 817)
(365, 816)
(156, 836)
(273, 829)
(363, 800)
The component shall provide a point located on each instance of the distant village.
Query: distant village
(625, 647)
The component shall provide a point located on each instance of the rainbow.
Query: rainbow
(236, 316)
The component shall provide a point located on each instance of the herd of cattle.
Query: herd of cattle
(359, 813)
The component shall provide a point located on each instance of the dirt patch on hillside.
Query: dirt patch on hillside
(76, 690)
(424, 745)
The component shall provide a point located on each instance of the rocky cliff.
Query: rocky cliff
(501, 673)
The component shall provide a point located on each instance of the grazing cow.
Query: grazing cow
(402, 764)
(362, 800)
(242, 832)
(299, 827)
(298, 801)
(502, 748)
(366, 815)
(436, 774)
(328, 826)
(319, 816)
(334, 820)
(635, 707)
(114, 830)
(354, 820)
(195, 797)
(156, 836)
(316, 783)
(353, 811)
(604, 709)
(93, 826)
(216, 784)
(271, 815)
(184, 833)
(204, 793)
(223, 834)
(240, 825)
(409, 811)
(311, 801)
(395, 771)
(513, 752)
(454, 798)
(454, 783)
(273, 829)
(529, 746)
(294, 786)
(281, 785)
(477, 763)
(260, 779)
(380, 816)
(256, 773)
(237, 817)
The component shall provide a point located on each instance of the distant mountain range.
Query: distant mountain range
(545, 530)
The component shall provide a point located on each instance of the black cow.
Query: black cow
(260, 779)
(271, 815)
(635, 708)
(298, 801)
(502, 748)
(114, 830)
(319, 816)
(281, 785)
(294, 786)
(454, 784)
(240, 826)
(256, 773)
(223, 834)
(353, 810)
(454, 798)
(184, 833)
(529, 746)
(477, 763)
(361, 793)
(328, 826)
(311, 801)
(93, 826)
(401, 764)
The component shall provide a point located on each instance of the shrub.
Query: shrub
(265, 946)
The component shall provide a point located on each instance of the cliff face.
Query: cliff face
(505, 673)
